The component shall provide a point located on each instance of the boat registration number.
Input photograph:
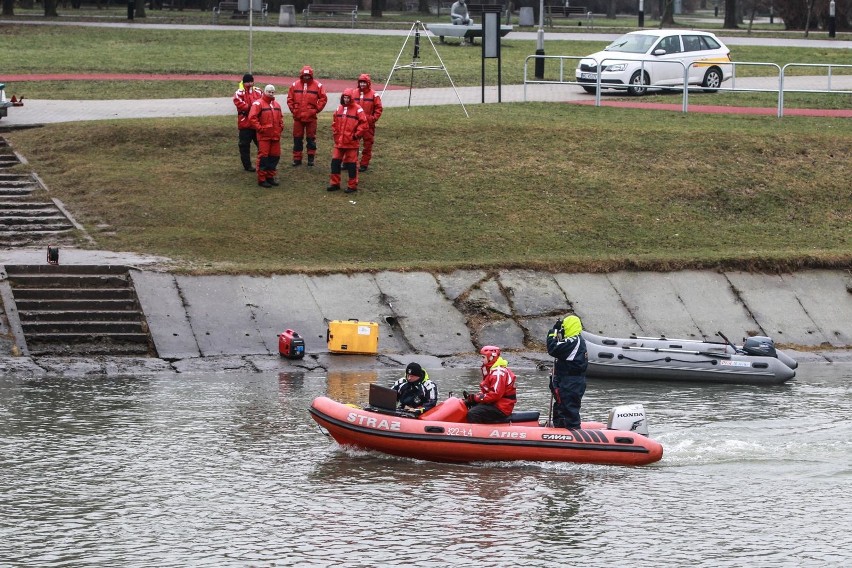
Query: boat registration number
(726, 363)
(459, 432)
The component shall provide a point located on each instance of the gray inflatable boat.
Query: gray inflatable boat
(756, 361)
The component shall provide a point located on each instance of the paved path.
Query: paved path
(52, 111)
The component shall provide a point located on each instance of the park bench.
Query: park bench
(465, 33)
(233, 8)
(331, 11)
(563, 11)
(440, 7)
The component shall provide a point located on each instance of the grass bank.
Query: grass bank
(548, 186)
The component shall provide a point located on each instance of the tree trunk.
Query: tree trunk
(730, 15)
(376, 8)
(751, 18)
(8, 7)
(808, 19)
(667, 17)
(610, 10)
(50, 9)
(140, 9)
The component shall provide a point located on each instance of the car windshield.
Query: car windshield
(632, 43)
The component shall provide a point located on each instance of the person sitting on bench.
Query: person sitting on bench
(459, 14)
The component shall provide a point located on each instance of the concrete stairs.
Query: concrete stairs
(78, 310)
(26, 219)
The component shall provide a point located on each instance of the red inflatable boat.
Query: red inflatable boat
(442, 435)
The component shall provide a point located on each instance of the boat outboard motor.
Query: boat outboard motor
(630, 417)
(759, 346)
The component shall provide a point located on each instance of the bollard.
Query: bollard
(832, 29)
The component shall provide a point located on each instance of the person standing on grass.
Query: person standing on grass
(246, 94)
(267, 118)
(566, 345)
(305, 99)
(371, 102)
(348, 127)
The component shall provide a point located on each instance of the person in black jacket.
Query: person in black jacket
(415, 392)
(568, 381)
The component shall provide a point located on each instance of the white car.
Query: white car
(657, 58)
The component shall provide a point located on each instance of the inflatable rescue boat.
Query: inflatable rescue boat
(442, 435)
(756, 361)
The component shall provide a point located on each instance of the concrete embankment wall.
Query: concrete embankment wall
(445, 317)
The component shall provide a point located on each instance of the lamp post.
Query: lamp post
(641, 13)
(539, 43)
(251, 21)
(831, 23)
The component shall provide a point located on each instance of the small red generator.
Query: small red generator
(291, 344)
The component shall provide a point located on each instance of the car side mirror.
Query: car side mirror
(659, 51)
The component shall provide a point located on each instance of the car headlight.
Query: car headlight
(616, 67)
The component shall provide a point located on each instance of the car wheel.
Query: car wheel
(590, 90)
(636, 88)
(712, 80)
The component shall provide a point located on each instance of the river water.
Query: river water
(229, 470)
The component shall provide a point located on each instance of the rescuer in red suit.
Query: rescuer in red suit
(306, 98)
(371, 102)
(267, 118)
(347, 126)
(496, 397)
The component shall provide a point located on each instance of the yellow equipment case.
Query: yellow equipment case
(353, 336)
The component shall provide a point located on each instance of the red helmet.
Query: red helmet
(489, 353)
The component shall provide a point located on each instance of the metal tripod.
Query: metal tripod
(416, 29)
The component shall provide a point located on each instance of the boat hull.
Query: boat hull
(456, 442)
(623, 361)
(683, 344)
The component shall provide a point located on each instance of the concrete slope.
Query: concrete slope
(192, 316)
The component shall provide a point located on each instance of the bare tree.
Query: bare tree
(8, 7)
(666, 13)
(50, 9)
(808, 19)
(730, 15)
(610, 9)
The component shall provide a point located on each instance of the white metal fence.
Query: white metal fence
(776, 80)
